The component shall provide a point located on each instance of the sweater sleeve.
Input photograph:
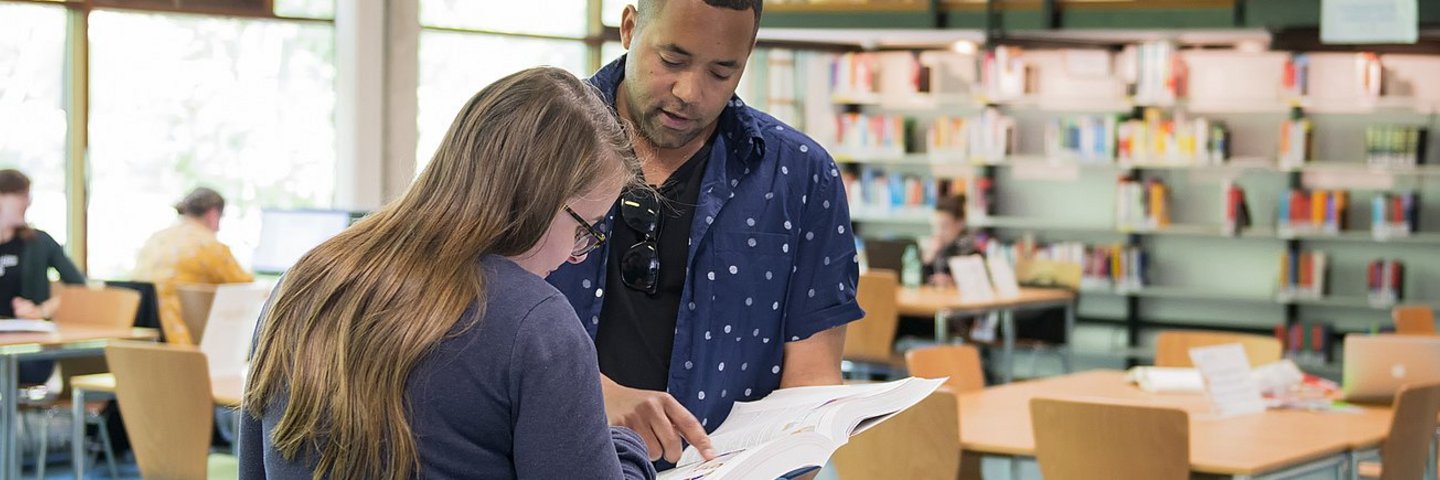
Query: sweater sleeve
(56, 259)
(223, 268)
(560, 430)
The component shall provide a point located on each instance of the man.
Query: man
(739, 278)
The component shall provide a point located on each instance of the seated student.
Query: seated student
(950, 240)
(424, 342)
(26, 257)
(188, 253)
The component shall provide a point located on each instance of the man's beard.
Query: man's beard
(661, 137)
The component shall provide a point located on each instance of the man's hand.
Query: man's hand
(659, 419)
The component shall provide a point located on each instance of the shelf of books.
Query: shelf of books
(1162, 149)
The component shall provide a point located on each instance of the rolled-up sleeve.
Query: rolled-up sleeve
(822, 288)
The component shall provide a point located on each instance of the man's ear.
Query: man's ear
(629, 20)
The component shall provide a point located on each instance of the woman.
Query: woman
(26, 257)
(950, 240)
(188, 253)
(424, 341)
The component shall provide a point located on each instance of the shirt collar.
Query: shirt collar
(737, 121)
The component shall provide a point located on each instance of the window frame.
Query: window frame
(77, 95)
(77, 79)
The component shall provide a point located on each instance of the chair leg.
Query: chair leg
(109, 451)
(44, 450)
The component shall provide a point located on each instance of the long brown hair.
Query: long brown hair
(356, 314)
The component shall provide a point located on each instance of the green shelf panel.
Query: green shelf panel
(1147, 18)
(1282, 13)
(849, 19)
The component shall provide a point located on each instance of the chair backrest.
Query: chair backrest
(195, 301)
(1172, 348)
(148, 314)
(1082, 441)
(234, 311)
(873, 337)
(164, 390)
(922, 442)
(1414, 320)
(1404, 453)
(959, 362)
(101, 307)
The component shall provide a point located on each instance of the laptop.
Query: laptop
(886, 254)
(1376, 366)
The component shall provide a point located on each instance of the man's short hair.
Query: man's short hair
(648, 8)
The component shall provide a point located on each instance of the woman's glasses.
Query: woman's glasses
(587, 237)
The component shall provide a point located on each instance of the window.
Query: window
(450, 74)
(244, 106)
(458, 45)
(610, 12)
(316, 9)
(32, 107)
(611, 51)
(557, 18)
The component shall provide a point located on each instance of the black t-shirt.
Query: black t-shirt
(637, 330)
(10, 274)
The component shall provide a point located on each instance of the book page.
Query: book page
(797, 451)
(1228, 382)
(1002, 275)
(10, 325)
(783, 411)
(971, 279)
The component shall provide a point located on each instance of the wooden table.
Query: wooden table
(942, 302)
(68, 341)
(996, 421)
(228, 390)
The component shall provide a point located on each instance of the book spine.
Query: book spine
(1411, 209)
(1397, 278)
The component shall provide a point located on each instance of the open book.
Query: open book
(10, 325)
(795, 430)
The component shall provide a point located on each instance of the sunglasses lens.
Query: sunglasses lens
(641, 211)
(640, 267)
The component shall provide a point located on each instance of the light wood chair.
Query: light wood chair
(108, 307)
(169, 410)
(959, 362)
(1093, 441)
(871, 340)
(195, 301)
(1414, 320)
(102, 307)
(1405, 452)
(1172, 348)
(922, 442)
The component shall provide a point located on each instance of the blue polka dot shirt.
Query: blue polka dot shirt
(772, 260)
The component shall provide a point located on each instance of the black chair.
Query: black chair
(148, 315)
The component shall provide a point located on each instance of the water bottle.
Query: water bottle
(910, 267)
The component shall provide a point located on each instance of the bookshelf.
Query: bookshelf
(1202, 272)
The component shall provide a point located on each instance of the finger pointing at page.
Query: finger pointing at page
(657, 417)
(690, 428)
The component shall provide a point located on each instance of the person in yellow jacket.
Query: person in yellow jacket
(188, 253)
